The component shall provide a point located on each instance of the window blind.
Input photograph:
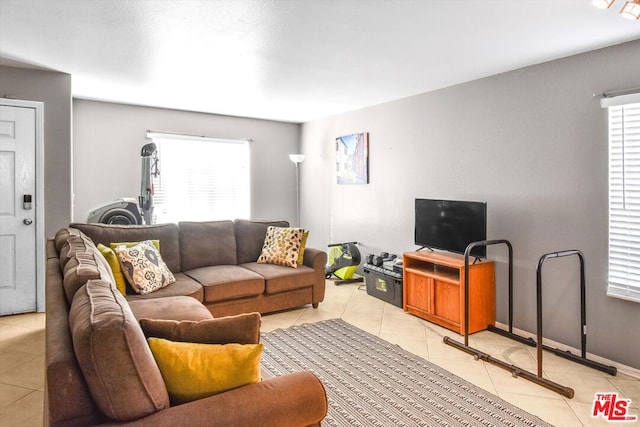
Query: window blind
(201, 179)
(624, 202)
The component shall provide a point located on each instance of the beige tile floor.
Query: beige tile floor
(22, 360)
(21, 369)
(354, 305)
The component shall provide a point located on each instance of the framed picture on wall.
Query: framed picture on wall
(352, 158)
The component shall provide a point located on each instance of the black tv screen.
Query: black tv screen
(451, 225)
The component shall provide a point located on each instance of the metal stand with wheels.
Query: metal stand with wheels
(477, 354)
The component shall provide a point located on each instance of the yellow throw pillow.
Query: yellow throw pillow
(112, 260)
(113, 246)
(192, 371)
(281, 246)
(144, 268)
(303, 243)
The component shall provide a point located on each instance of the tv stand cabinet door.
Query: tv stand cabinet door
(446, 302)
(418, 294)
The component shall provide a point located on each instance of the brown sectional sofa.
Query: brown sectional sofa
(99, 368)
(215, 262)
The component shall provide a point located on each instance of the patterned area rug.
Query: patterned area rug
(371, 382)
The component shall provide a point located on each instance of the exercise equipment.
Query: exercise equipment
(128, 210)
(123, 211)
(582, 359)
(515, 370)
(611, 370)
(149, 154)
(343, 260)
(480, 355)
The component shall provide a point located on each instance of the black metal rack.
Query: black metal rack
(611, 370)
(515, 370)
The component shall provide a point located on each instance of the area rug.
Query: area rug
(371, 382)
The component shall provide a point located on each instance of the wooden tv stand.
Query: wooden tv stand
(434, 290)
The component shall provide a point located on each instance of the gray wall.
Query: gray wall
(532, 143)
(54, 90)
(107, 163)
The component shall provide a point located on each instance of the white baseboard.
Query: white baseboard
(624, 369)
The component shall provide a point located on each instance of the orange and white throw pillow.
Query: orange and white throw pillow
(281, 246)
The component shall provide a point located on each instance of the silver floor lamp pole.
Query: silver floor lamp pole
(297, 159)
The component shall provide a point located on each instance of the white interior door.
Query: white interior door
(18, 266)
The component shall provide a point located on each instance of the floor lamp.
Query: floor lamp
(297, 159)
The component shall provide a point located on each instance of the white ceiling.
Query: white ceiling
(293, 60)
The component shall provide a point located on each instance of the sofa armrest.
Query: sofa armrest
(242, 329)
(270, 403)
(316, 259)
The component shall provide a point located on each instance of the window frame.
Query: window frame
(623, 242)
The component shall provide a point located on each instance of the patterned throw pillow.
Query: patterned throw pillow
(281, 246)
(144, 268)
(110, 255)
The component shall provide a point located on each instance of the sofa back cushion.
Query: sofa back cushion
(241, 329)
(62, 236)
(64, 380)
(204, 244)
(80, 261)
(167, 234)
(250, 237)
(114, 356)
(68, 242)
(82, 267)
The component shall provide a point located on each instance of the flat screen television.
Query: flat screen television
(451, 225)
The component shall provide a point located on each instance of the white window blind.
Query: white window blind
(624, 202)
(201, 179)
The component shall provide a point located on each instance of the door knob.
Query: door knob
(27, 221)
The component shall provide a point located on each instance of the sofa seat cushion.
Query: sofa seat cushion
(184, 285)
(227, 282)
(113, 354)
(280, 279)
(170, 308)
